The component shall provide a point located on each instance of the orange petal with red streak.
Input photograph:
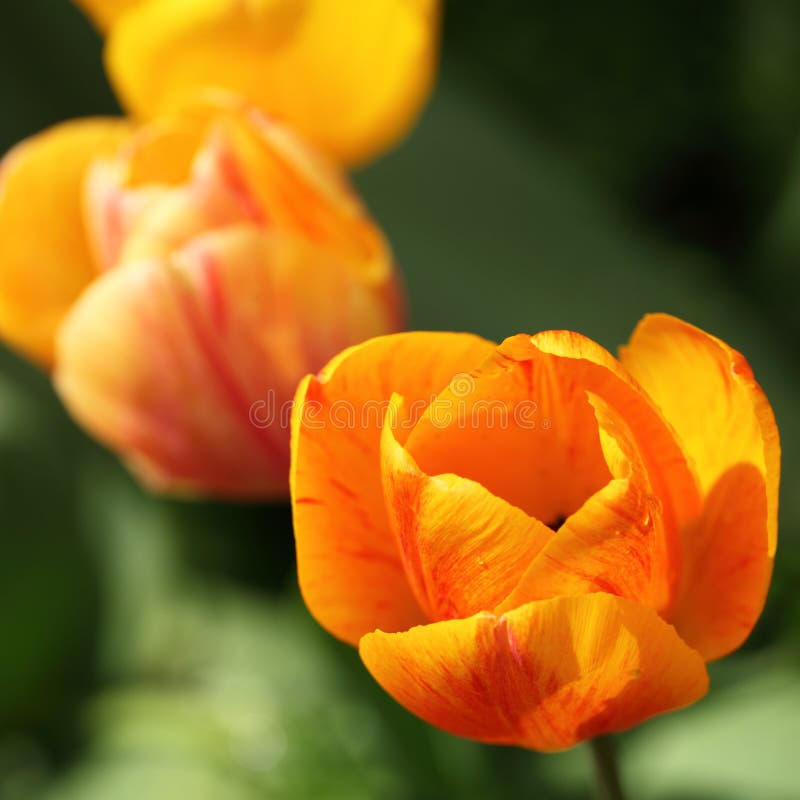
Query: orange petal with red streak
(544, 676)
(615, 542)
(351, 573)
(727, 565)
(546, 462)
(551, 463)
(464, 549)
(602, 374)
(707, 392)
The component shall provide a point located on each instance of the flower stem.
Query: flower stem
(605, 768)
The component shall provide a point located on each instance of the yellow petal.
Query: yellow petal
(351, 77)
(544, 676)
(350, 570)
(707, 392)
(45, 259)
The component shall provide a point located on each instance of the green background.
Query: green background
(579, 165)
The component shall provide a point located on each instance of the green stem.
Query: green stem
(605, 768)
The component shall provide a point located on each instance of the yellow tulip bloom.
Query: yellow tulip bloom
(350, 76)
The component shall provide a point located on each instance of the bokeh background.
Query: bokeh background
(578, 166)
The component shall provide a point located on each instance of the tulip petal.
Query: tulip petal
(707, 392)
(45, 259)
(218, 162)
(549, 462)
(350, 570)
(544, 676)
(615, 542)
(111, 212)
(284, 182)
(728, 566)
(464, 549)
(602, 374)
(349, 78)
(186, 366)
(154, 183)
(546, 463)
(153, 221)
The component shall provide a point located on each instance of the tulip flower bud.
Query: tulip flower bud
(227, 259)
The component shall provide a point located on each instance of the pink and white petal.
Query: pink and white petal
(186, 366)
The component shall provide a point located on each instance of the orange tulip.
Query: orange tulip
(537, 543)
(180, 279)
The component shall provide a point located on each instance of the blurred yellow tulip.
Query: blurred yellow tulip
(351, 77)
(181, 282)
(45, 261)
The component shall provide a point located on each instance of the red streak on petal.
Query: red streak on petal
(309, 501)
(214, 295)
(217, 363)
(344, 489)
(237, 185)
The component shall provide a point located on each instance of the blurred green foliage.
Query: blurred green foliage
(579, 166)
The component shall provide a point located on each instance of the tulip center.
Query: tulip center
(525, 430)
